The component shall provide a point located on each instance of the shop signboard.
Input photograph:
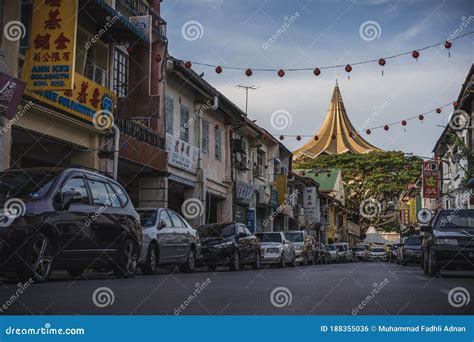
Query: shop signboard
(181, 153)
(84, 101)
(251, 219)
(282, 188)
(243, 192)
(11, 91)
(311, 204)
(430, 179)
(49, 62)
(413, 218)
(264, 195)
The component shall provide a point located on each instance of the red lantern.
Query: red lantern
(158, 58)
(438, 110)
(282, 137)
(317, 72)
(448, 44)
(298, 137)
(218, 69)
(216, 126)
(404, 123)
(316, 138)
(381, 61)
(421, 117)
(188, 64)
(415, 54)
(386, 127)
(348, 68)
(368, 131)
(281, 72)
(248, 72)
(455, 104)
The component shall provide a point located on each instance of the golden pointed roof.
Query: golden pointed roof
(337, 135)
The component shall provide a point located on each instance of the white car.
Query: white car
(343, 251)
(377, 253)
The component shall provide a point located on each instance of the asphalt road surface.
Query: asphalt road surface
(377, 288)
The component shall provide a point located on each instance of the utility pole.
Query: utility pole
(247, 88)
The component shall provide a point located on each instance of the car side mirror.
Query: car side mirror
(70, 197)
(162, 224)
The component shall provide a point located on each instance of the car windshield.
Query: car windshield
(359, 249)
(331, 247)
(217, 231)
(413, 240)
(147, 217)
(25, 185)
(295, 237)
(377, 250)
(455, 219)
(269, 237)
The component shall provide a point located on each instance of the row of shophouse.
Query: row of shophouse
(175, 137)
(450, 185)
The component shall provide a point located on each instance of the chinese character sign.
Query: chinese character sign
(430, 179)
(49, 62)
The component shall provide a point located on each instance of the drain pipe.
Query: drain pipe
(116, 132)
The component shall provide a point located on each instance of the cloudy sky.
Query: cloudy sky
(252, 33)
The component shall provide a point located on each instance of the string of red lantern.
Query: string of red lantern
(386, 127)
(447, 44)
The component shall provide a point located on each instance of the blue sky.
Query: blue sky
(326, 32)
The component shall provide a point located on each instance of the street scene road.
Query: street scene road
(336, 289)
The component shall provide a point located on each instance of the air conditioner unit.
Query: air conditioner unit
(96, 74)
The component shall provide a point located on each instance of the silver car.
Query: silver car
(276, 249)
(167, 240)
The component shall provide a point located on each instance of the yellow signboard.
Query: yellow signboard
(412, 208)
(282, 188)
(49, 63)
(84, 101)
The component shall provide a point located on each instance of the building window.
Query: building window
(259, 171)
(120, 78)
(184, 124)
(169, 114)
(218, 140)
(205, 137)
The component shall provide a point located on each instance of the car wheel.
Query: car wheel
(257, 263)
(75, 272)
(151, 264)
(235, 262)
(38, 259)
(433, 270)
(127, 260)
(190, 262)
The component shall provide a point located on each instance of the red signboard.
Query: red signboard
(11, 91)
(430, 179)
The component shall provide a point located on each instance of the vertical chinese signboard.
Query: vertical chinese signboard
(311, 204)
(49, 62)
(412, 211)
(430, 179)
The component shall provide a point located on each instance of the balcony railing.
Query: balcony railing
(141, 133)
(140, 8)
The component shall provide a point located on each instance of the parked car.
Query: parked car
(276, 249)
(332, 250)
(322, 254)
(230, 244)
(360, 252)
(343, 252)
(376, 253)
(167, 240)
(392, 256)
(304, 246)
(409, 250)
(66, 218)
(448, 242)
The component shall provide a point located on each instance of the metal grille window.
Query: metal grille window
(184, 124)
(218, 142)
(120, 80)
(205, 137)
(169, 114)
